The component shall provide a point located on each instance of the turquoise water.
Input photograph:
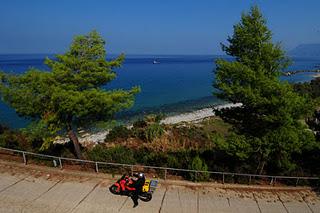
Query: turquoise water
(178, 84)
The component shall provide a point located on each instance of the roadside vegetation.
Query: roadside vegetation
(275, 131)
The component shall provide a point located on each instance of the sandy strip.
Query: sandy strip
(316, 75)
(195, 115)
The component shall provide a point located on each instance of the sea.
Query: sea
(177, 84)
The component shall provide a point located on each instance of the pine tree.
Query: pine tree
(268, 117)
(70, 94)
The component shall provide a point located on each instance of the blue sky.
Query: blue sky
(148, 27)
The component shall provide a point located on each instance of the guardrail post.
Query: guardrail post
(60, 163)
(165, 174)
(274, 181)
(24, 158)
(223, 178)
(249, 179)
(297, 181)
(97, 167)
(271, 182)
(132, 170)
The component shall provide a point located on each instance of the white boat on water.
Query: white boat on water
(156, 62)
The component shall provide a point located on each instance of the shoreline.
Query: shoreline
(86, 138)
(316, 75)
(196, 115)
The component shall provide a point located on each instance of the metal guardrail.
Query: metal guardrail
(273, 178)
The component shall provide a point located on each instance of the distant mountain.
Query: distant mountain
(307, 50)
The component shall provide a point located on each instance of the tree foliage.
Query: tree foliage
(251, 45)
(312, 90)
(199, 165)
(267, 122)
(70, 95)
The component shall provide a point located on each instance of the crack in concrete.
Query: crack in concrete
(304, 200)
(123, 204)
(85, 196)
(36, 198)
(13, 184)
(164, 195)
(254, 196)
(282, 203)
(198, 201)
(179, 199)
(51, 187)
(228, 201)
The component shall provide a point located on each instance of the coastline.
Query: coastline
(196, 115)
(316, 75)
(86, 138)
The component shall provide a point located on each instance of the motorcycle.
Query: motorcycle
(147, 190)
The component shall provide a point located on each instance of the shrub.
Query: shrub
(118, 132)
(116, 154)
(198, 164)
(14, 140)
(139, 124)
(149, 128)
(173, 162)
(153, 131)
(153, 118)
(155, 158)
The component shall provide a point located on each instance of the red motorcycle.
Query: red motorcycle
(122, 187)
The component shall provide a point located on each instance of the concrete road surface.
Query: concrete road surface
(40, 191)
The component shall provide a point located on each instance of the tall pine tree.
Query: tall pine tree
(268, 117)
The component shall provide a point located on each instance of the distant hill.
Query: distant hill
(307, 50)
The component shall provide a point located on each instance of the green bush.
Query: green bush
(39, 136)
(14, 140)
(155, 158)
(138, 129)
(198, 164)
(8, 140)
(139, 124)
(118, 132)
(149, 128)
(116, 154)
(173, 162)
(153, 131)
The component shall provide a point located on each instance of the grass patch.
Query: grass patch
(217, 125)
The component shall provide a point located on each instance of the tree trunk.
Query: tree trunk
(73, 137)
(257, 169)
(262, 167)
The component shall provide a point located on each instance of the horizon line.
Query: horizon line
(136, 54)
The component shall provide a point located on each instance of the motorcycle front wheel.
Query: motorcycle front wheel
(114, 190)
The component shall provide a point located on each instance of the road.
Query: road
(35, 191)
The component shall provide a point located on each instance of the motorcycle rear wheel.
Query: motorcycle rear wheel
(145, 197)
